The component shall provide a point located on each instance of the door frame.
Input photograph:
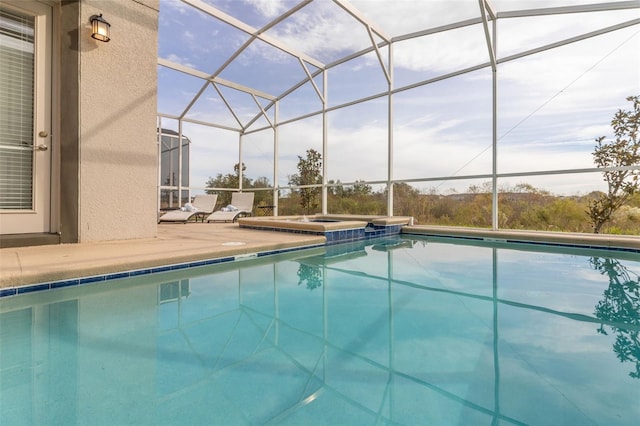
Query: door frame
(38, 219)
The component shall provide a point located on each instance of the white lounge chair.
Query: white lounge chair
(241, 206)
(202, 206)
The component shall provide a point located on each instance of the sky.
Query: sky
(551, 107)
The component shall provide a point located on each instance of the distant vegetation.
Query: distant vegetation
(520, 207)
(523, 206)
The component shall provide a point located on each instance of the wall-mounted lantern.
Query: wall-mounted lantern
(100, 28)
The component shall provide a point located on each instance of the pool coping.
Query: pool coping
(623, 243)
(321, 223)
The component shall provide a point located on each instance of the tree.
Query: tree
(404, 197)
(262, 197)
(359, 188)
(230, 180)
(622, 152)
(309, 173)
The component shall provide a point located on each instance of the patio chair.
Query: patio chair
(241, 206)
(201, 207)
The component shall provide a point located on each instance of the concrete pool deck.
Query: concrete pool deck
(177, 243)
(537, 237)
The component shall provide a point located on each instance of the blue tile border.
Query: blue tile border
(32, 288)
(14, 291)
(341, 235)
(94, 279)
(5, 292)
(67, 283)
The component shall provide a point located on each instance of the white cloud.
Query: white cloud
(213, 151)
(358, 154)
(520, 34)
(268, 8)
(402, 17)
(443, 52)
(322, 30)
(168, 7)
(267, 52)
(180, 60)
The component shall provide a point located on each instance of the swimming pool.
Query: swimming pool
(406, 330)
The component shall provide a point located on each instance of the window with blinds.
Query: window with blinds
(16, 110)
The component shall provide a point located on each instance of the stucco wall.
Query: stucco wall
(117, 122)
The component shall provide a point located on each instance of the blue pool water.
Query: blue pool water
(396, 331)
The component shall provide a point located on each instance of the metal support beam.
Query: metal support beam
(495, 213)
(492, 49)
(195, 99)
(179, 163)
(264, 113)
(487, 34)
(310, 77)
(584, 8)
(204, 76)
(224, 99)
(490, 10)
(380, 60)
(159, 167)
(390, 146)
(325, 139)
(240, 136)
(199, 122)
(276, 144)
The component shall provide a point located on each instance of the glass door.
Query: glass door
(25, 117)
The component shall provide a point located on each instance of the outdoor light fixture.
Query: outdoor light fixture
(100, 28)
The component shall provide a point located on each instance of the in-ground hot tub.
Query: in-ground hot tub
(336, 228)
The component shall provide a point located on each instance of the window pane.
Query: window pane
(16, 111)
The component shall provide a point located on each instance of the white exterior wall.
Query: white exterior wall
(117, 122)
